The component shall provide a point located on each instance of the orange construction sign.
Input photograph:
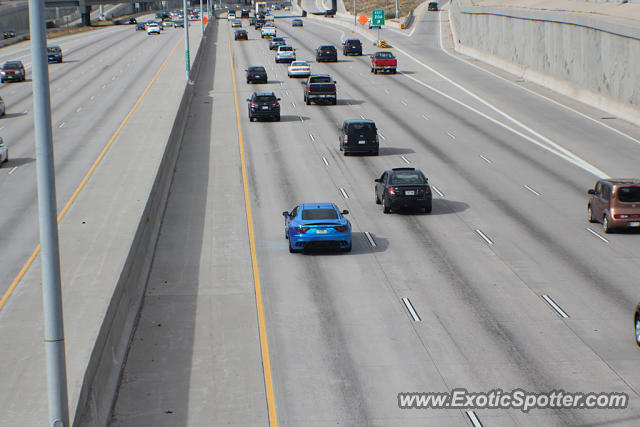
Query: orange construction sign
(362, 19)
(204, 20)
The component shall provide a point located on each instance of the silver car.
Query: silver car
(4, 152)
(285, 54)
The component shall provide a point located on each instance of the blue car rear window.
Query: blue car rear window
(313, 214)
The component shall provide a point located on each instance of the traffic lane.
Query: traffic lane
(323, 358)
(523, 189)
(77, 143)
(287, 173)
(578, 134)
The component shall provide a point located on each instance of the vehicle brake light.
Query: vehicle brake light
(253, 104)
(334, 88)
(346, 139)
(377, 139)
(391, 190)
(626, 216)
(341, 228)
(309, 88)
(275, 104)
(427, 190)
(301, 229)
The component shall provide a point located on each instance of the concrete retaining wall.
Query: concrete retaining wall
(591, 59)
(103, 371)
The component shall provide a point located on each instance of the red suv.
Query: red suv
(12, 71)
(615, 203)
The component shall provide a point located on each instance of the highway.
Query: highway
(508, 235)
(103, 74)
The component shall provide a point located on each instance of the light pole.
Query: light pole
(354, 16)
(186, 40)
(49, 254)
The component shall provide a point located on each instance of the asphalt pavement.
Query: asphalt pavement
(510, 167)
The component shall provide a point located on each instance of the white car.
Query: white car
(299, 69)
(4, 152)
(285, 54)
(236, 23)
(167, 23)
(231, 16)
(268, 32)
(153, 29)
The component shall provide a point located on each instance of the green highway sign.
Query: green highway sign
(377, 17)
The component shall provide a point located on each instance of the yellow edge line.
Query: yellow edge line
(75, 194)
(264, 345)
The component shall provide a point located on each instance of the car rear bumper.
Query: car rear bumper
(409, 202)
(257, 79)
(12, 77)
(632, 224)
(321, 97)
(331, 241)
(299, 73)
(361, 148)
(263, 113)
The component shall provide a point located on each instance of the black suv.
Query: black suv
(264, 104)
(403, 188)
(327, 53)
(352, 47)
(241, 35)
(54, 54)
(433, 6)
(359, 136)
(256, 75)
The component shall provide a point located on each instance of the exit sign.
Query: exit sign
(377, 17)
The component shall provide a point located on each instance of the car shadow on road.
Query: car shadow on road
(18, 161)
(10, 115)
(394, 151)
(360, 244)
(405, 72)
(439, 207)
(350, 102)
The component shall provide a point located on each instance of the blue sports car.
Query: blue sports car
(318, 225)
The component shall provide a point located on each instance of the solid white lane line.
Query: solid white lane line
(484, 237)
(532, 190)
(434, 188)
(324, 159)
(312, 138)
(344, 193)
(474, 419)
(381, 135)
(370, 239)
(548, 145)
(555, 306)
(485, 159)
(452, 136)
(597, 235)
(405, 159)
(13, 170)
(411, 310)
(403, 102)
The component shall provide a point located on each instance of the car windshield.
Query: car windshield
(298, 64)
(407, 178)
(384, 55)
(53, 49)
(313, 214)
(256, 69)
(321, 79)
(11, 66)
(265, 98)
(327, 49)
(353, 42)
(629, 194)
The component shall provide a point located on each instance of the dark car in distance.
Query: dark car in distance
(403, 188)
(297, 22)
(275, 42)
(9, 34)
(352, 47)
(54, 54)
(12, 71)
(432, 6)
(359, 136)
(264, 105)
(326, 53)
(241, 35)
(256, 74)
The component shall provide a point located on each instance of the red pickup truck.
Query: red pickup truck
(383, 61)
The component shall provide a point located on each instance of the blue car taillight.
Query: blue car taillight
(301, 229)
(341, 228)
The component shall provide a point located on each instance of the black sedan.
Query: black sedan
(256, 74)
(54, 54)
(403, 188)
(241, 35)
(264, 105)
